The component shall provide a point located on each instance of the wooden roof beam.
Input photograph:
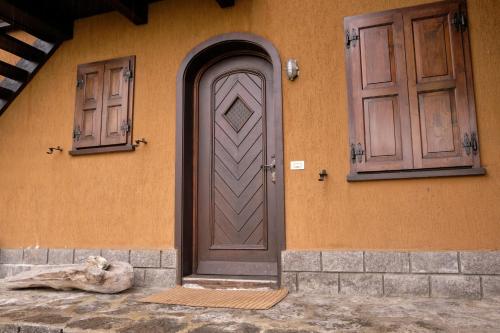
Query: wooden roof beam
(33, 24)
(225, 3)
(135, 10)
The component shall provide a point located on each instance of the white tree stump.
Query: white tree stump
(95, 275)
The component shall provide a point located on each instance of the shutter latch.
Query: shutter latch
(76, 134)
(127, 74)
(357, 153)
(350, 39)
(125, 128)
(470, 144)
(459, 20)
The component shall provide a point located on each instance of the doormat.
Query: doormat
(214, 298)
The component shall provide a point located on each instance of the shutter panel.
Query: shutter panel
(437, 86)
(118, 76)
(378, 95)
(88, 106)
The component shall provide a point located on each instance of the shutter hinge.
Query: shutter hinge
(351, 38)
(127, 74)
(470, 144)
(125, 127)
(459, 20)
(79, 82)
(76, 134)
(357, 153)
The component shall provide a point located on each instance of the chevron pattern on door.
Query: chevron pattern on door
(238, 182)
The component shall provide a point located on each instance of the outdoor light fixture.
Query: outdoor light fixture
(292, 69)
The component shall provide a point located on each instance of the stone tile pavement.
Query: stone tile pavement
(47, 311)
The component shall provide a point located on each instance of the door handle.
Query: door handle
(271, 167)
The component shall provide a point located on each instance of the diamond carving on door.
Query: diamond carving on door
(238, 114)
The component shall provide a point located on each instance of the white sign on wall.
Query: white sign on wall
(297, 165)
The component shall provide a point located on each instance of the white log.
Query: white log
(95, 275)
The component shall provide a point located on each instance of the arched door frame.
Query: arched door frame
(190, 69)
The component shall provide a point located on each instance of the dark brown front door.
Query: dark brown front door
(236, 194)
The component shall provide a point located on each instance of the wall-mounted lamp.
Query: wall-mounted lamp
(292, 69)
(139, 141)
(322, 175)
(51, 149)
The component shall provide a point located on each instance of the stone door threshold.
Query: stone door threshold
(230, 282)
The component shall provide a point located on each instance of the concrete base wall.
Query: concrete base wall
(456, 274)
(152, 268)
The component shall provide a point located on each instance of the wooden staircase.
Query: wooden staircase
(17, 76)
(47, 36)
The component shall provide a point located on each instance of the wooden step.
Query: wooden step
(21, 49)
(13, 72)
(230, 282)
(5, 93)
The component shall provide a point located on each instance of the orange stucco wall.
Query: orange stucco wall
(126, 200)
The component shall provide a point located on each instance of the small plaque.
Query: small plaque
(297, 165)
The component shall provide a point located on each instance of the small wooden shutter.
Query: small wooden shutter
(437, 86)
(87, 126)
(118, 76)
(379, 114)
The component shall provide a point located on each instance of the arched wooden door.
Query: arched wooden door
(236, 232)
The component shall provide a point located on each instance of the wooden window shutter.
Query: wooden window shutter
(116, 122)
(411, 98)
(380, 134)
(87, 124)
(437, 85)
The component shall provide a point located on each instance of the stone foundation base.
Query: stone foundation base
(464, 274)
(457, 274)
(152, 268)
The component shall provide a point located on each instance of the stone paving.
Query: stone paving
(47, 311)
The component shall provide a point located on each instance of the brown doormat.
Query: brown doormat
(213, 298)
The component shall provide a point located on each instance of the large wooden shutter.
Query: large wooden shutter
(437, 87)
(379, 114)
(115, 115)
(87, 127)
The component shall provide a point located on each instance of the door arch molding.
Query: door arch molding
(196, 61)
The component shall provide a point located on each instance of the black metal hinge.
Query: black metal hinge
(76, 134)
(125, 127)
(351, 38)
(470, 144)
(127, 74)
(79, 82)
(357, 153)
(459, 20)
